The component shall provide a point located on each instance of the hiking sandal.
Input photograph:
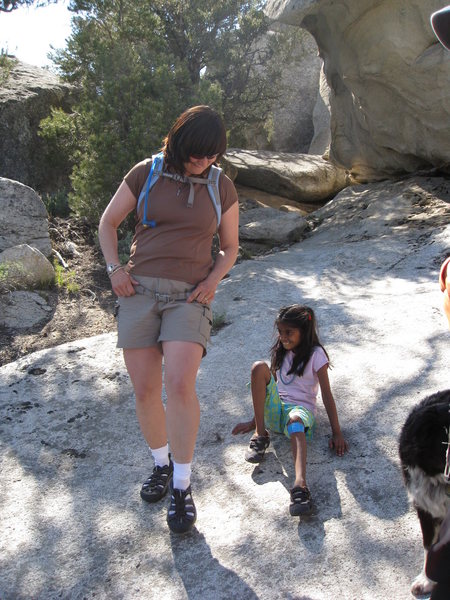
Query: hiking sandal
(301, 501)
(257, 447)
(156, 486)
(181, 514)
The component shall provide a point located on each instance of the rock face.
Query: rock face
(300, 177)
(271, 225)
(26, 98)
(320, 143)
(23, 217)
(388, 76)
(21, 309)
(293, 126)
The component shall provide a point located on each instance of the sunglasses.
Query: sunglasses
(201, 156)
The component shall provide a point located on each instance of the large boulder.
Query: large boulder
(26, 97)
(23, 217)
(300, 177)
(388, 74)
(271, 227)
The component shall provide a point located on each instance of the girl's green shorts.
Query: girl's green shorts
(277, 413)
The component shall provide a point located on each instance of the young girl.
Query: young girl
(285, 397)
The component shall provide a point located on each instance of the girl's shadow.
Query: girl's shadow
(277, 465)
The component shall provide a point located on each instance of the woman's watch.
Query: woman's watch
(111, 267)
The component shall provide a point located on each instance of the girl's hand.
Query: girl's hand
(245, 427)
(123, 283)
(204, 292)
(339, 444)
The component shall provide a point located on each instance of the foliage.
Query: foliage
(6, 66)
(219, 322)
(123, 247)
(10, 5)
(139, 65)
(57, 204)
(65, 279)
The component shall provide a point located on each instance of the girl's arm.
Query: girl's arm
(337, 441)
(229, 247)
(122, 203)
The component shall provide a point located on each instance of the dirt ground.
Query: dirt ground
(83, 313)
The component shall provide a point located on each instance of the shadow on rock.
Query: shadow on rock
(203, 576)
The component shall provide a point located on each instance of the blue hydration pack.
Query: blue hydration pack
(156, 171)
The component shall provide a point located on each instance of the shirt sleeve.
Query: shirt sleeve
(319, 359)
(137, 176)
(228, 193)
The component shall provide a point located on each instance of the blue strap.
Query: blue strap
(149, 184)
(295, 427)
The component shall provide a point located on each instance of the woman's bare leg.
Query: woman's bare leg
(144, 366)
(181, 364)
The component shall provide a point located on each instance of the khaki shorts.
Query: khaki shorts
(158, 312)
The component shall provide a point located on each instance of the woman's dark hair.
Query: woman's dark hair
(302, 318)
(199, 131)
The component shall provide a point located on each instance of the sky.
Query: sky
(28, 33)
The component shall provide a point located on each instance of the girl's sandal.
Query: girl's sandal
(257, 447)
(301, 501)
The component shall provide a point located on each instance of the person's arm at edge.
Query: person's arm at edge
(337, 441)
(121, 204)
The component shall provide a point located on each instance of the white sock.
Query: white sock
(181, 475)
(161, 455)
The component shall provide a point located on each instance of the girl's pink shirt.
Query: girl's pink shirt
(301, 390)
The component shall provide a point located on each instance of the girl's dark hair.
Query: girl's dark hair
(302, 318)
(199, 131)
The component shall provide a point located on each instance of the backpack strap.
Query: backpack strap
(155, 172)
(213, 189)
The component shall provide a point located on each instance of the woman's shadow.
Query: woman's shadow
(203, 576)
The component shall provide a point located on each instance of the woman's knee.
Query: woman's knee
(178, 386)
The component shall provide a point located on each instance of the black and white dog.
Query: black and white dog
(423, 449)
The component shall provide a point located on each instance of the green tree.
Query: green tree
(10, 5)
(140, 64)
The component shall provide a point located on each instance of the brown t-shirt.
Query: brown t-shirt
(179, 247)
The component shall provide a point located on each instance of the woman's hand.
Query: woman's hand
(123, 283)
(204, 292)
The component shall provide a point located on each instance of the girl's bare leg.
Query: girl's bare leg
(298, 445)
(260, 378)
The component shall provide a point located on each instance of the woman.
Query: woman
(165, 291)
